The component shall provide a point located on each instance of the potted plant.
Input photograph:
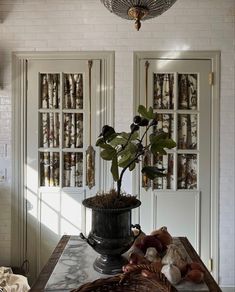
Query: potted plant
(111, 233)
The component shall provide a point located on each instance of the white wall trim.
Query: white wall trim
(228, 289)
(214, 56)
(19, 95)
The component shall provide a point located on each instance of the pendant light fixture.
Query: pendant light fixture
(138, 10)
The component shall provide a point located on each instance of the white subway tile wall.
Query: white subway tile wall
(81, 25)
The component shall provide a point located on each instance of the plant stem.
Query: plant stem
(119, 182)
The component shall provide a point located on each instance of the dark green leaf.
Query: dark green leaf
(132, 166)
(148, 114)
(99, 141)
(125, 160)
(126, 136)
(117, 141)
(111, 137)
(155, 138)
(108, 154)
(106, 146)
(152, 172)
(157, 149)
(114, 168)
(108, 134)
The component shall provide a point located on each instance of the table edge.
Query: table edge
(41, 281)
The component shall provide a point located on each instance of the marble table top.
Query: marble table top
(75, 267)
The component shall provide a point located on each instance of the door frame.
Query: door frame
(19, 135)
(214, 57)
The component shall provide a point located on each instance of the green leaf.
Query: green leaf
(117, 141)
(108, 154)
(157, 149)
(124, 160)
(148, 114)
(109, 134)
(131, 150)
(155, 138)
(111, 137)
(114, 169)
(152, 172)
(99, 141)
(132, 166)
(126, 135)
(106, 146)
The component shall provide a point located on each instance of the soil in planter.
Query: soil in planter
(111, 200)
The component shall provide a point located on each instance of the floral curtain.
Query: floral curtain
(50, 163)
(187, 171)
(187, 86)
(73, 91)
(50, 90)
(163, 91)
(73, 169)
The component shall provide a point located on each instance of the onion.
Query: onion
(195, 276)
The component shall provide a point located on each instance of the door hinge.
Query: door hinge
(211, 78)
(210, 265)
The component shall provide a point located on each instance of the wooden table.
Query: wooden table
(40, 284)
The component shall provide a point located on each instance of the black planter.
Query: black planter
(110, 236)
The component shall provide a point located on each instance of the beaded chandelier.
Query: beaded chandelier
(138, 9)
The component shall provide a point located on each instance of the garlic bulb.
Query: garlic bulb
(174, 256)
(172, 273)
(151, 254)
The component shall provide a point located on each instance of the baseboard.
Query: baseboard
(228, 289)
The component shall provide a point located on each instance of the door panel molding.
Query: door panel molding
(19, 126)
(214, 57)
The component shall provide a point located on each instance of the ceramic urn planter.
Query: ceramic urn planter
(111, 236)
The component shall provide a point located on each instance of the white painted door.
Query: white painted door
(180, 93)
(63, 118)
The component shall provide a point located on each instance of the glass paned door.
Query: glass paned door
(179, 92)
(63, 120)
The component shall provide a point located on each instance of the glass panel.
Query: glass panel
(165, 124)
(163, 91)
(166, 162)
(73, 169)
(188, 93)
(50, 130)
(187, 171)
(50, 91)
(50, 169)
(73, 91)
(187, 131)
(73, 130)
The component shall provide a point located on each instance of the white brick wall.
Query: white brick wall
(52, 25)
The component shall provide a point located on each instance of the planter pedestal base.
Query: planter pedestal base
(110, 264)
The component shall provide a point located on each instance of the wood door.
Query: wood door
(63, 119)
(180, 94)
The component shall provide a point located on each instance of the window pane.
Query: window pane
(50, 169)
(188, 93)
(50, 91)
(73, 130)
(187, 131)
(165, 124)
(187, 171)
(73, 169)
(73, 91)
(163, 91)
(50, 130)
(166, 162)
